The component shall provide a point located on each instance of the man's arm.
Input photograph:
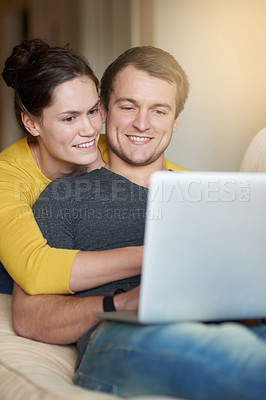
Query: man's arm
(61, 319)
(57, 319)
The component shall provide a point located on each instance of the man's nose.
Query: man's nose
(142, 120)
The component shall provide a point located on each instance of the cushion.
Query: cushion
(36, 371)
(254, 159)
(31, 370)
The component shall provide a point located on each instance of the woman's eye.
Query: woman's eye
(69, 119)
(93, 112)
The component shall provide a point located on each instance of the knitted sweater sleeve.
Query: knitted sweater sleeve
(35, 266)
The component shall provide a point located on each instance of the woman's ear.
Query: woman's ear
(30, 124)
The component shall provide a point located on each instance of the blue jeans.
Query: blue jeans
(188, 360)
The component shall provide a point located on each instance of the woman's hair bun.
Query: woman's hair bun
(22, 55)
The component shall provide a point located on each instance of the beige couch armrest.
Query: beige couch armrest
(36, 371)
(31, 370)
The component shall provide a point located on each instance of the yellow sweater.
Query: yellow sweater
(34, 265)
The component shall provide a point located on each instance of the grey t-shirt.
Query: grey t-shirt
(99, 210)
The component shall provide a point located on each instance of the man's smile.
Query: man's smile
(139, 139)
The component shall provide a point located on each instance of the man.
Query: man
(144, 92)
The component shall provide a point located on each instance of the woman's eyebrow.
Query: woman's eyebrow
(75, 112)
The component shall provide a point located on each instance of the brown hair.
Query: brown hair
(154, 61)
(35, 69)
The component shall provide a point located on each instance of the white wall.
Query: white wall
(104, 31)
(221, 45)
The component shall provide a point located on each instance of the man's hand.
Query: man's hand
(128, 301)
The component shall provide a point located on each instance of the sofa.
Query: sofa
(31, 370)
(254, 159)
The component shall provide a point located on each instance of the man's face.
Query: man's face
(141, 116)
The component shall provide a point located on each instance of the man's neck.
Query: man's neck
(97, 164)
(140, 175)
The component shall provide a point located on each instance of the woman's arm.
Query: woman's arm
(96, 268)
(23, 251)
(37, 267)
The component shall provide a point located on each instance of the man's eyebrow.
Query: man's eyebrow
(126, 99)
(129, 100)
(164, 105)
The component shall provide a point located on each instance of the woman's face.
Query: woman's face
(69, 130)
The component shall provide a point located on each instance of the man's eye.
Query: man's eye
(127, 108)
(159, 112)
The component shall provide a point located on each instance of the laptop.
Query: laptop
(205, 249)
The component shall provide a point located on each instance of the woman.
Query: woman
(57, 105)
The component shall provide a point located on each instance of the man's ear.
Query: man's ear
(30, 124)
(176, 122)
(103, 112)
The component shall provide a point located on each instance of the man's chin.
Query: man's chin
(138, 161)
